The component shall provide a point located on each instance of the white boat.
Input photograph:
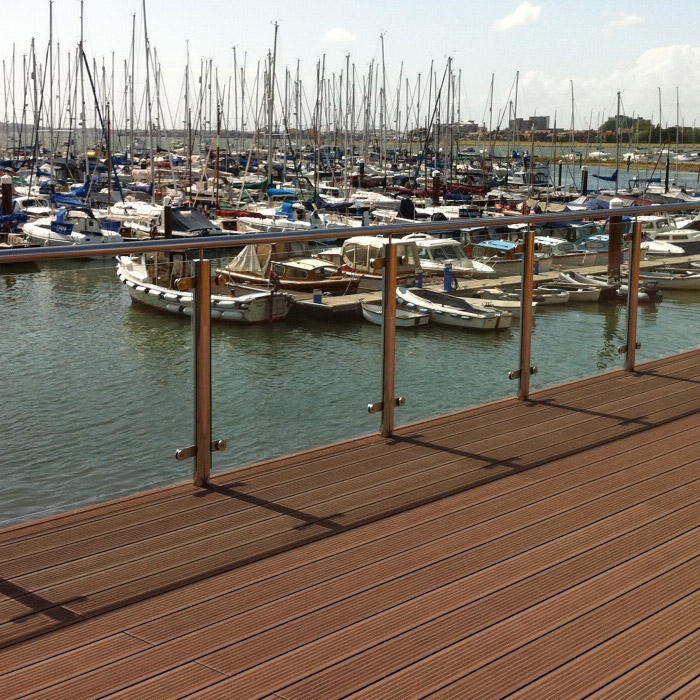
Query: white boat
(405, 318)
(565, 253)
(436, 253)
(669, 280)
(68, 227)
(506, 257)
(576, 292)
(497, 298)
(573, 278)
(660, 249)
(449, 310)
(550, 297)
(363, 258)
(152, 281)
(648, 292)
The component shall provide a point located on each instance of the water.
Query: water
(98, 392)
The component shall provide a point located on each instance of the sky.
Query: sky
(568, 55)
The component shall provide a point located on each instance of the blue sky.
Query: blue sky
(599, 47)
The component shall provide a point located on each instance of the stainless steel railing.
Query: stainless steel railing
(203, 444)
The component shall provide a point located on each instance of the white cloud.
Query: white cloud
(667, 67)
(621, 22)
(338, 34)
(525, 13)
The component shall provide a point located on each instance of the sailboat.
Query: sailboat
(278, 266)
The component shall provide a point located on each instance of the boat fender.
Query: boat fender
(232, 315)
(215, 313)
(221, 279)
(454, 284)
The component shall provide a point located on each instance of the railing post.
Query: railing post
(389, 340)
(201, 329)
(526, 316)
(633, 295)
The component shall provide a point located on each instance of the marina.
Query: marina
(318, 385)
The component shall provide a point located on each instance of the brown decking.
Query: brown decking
(406, 568)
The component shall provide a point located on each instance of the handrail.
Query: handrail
(226, 241)
(201, 318)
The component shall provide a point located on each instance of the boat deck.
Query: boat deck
(548, 548)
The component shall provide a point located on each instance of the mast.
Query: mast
(83, 119)
(148, 104)
(132, 126)
(617, 140)
(660, 120)
(271, 107)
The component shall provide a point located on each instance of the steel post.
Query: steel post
(389, 340)
(526, 315)
(201, 329)
(633, 295)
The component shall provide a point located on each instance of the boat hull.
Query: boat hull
(405, 318)
(255, 307)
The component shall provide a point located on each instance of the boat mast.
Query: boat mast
(83, 123)
(148, 104)
(617, 140)
(660, 120)
(271, 108)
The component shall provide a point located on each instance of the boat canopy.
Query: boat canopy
(505, 246)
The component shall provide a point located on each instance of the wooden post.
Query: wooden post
(6, 181)
(168, 221)
(436, 188)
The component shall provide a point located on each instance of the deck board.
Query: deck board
(520, 547)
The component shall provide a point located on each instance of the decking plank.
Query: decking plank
(141, 549)
(420, 538)
(221, 635)
(168, 495)
(396, 527)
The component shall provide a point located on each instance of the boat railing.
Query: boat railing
(201, 317)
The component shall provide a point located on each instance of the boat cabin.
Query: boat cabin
(364, 256)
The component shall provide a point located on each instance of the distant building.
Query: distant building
(533, 123)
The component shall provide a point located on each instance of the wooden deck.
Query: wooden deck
(548, 549)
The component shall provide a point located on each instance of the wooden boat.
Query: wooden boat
(152, 281)
(450, 310)
(405, 318)
(297, 274)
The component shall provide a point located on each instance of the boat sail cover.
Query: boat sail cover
(608, 178)
(247, 261)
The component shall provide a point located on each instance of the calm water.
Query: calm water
(98, 392)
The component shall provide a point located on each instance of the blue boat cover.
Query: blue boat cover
(66, 200)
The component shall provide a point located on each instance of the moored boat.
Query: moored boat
(405, 318)
(157, 287)
(449, 310)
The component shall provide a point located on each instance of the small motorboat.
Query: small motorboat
(607, 291)
(577, 293)
(449, 310)
(405, 318)
(498, 298)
